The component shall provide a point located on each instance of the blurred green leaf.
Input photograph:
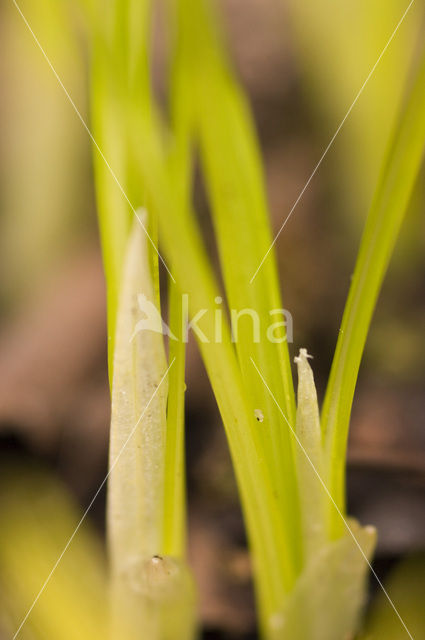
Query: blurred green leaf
(406, 587)
(38, 519)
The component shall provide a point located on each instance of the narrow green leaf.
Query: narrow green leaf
(120, 87)
(232, 164)
(114, 212)
(382, 228)
(174, 482)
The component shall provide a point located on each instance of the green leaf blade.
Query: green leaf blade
(382, 228)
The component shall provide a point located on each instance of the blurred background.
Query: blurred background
(302, 65)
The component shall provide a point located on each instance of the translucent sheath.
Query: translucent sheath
(309, 463)
(152, 596)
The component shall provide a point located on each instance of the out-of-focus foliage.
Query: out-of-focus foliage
(406, 587)
(37, 521)
(45, 183)
(338, 44)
